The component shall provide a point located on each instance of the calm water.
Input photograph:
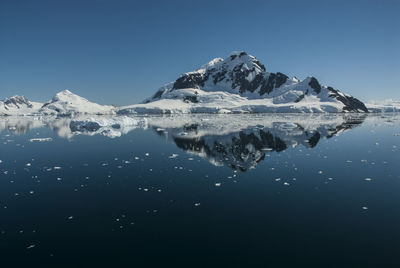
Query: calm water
(233, 190)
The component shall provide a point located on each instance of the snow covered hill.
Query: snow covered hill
(67, 103)
(241, 84)
(18, 105)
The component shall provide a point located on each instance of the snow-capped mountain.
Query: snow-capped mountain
(67, 103)
(18, 105)
(240, 83)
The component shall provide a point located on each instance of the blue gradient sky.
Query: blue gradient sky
(119, 52)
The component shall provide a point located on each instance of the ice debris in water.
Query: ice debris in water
(70, 217)
(218, 184)
(28, 164)
(40, 139)
(173, 156)
(56, 167)
(368, 179)
(196, 204)
(364, 208)
(31, 246)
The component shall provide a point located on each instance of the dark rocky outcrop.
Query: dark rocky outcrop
(351, 104)
(314, 84)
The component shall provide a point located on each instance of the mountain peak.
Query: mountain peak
(244, 76)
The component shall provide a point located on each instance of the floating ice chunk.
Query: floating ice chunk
(173, 156)
(320, 172)
(278, 179)
(196, 204)
(56, 167)
(40, 139)
(286, 184)
(218, 184)
(31, 246)
(146, 154)
(1, 161)
(368, 179)
(70, 217)
(59, 179)
(364, 208)
(28, 164)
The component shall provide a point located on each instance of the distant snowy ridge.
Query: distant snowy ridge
(387, 106)
(67, 103)
(18, 105)
(241, 84)
(64, 103)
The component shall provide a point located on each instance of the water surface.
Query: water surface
(202, 190)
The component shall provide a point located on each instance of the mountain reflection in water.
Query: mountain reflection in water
(237, 141)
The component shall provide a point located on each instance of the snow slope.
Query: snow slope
(241, 84)
(67, 103)
(19, 105)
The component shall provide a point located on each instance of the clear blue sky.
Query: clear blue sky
(119, 52)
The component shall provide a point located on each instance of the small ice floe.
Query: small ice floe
(218, 184)
(28, 164)
(363, 160)
(146, 154)
(368, 179)
(286, 184)
(40, 139)
(56, 167)
(173, 156)
(136, 158)
(349, 161)
(364, 208)
(190, 159)
(70, 217)
(196, 204)
(31, 246)
(320, 172)
(31, 192)
(59, 179)
(1, 161)
(278, 179)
